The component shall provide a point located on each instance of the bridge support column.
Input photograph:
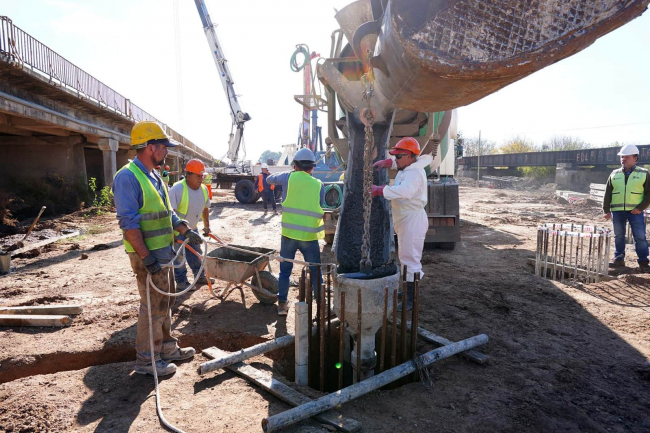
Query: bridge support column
(108, 146)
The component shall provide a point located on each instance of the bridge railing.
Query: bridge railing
(20, 48)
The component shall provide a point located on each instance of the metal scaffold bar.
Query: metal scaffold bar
(299, 413)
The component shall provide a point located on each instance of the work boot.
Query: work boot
(180, 354)
(162, 368)
(283, 309)
(644, 267)
(410, 291)
(203, 281)
(266, 211)
(275, 212)
(617, 263)
(182, 285)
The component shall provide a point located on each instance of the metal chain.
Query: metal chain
(367, 115)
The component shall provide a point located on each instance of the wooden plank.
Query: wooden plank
(429, 336)
(45, 242)
(29, 320)
(598, 186)
(284, 392)
(43, 309)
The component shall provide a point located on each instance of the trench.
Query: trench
(22, 366)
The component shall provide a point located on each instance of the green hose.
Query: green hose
(304, 49)
(340, 199)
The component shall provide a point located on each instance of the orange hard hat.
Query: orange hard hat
(157, 167)
(195, 166)
(166, 167)
(409, 144)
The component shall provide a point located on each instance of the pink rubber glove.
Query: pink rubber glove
(378, 191)
(384, 163)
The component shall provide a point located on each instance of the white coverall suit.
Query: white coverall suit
(408, 197)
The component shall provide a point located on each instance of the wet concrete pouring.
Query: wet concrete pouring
(561, 357)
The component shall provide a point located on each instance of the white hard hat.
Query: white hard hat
(265, 165)
(628, 149)
(304, 155)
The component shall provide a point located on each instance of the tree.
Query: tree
(471, 147)
(518, 145)
(564, 143)
(269, 154)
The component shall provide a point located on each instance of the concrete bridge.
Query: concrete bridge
(574, 169)
(59, 122)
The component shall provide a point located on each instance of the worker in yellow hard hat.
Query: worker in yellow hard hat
(148, 221)
(190, 200)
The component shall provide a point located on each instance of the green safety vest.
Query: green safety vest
(165, 178)
(155, 216)
(302, 215)
(625, 197)
(184, 205)
(207, 179)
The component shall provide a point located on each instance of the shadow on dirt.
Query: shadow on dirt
(553, 365)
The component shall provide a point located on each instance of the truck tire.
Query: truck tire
(245, 191)
(256, 196)
(270, 283)
(277, 193)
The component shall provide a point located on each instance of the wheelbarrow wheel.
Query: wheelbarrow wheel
(269, 282)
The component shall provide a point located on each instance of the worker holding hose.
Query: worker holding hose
(148, 220)
(190, 200)
(408, 197)
(302, 220)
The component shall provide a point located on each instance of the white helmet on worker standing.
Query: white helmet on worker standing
(304, 155)
(628, 149)
(265, 165)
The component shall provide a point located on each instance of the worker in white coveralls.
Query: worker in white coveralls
(408, 197)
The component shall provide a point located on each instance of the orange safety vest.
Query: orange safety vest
(260, 183)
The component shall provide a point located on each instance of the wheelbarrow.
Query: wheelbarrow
(237, 267)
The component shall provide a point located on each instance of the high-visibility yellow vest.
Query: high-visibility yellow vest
(165, 177)
(155, 215)
(184, 205)
(302, 215)
(207, 179)
(625, 197)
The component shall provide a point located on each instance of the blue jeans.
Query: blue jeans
(637, 223)
(268, 197)
(310, 251)
(180, 274)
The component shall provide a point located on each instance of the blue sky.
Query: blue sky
(130, 45)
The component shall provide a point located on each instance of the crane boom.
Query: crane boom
(236, 114)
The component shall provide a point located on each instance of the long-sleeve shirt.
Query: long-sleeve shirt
(408, 193)
(127, 194)
(607, 200)
(282, 179)
(266, 186)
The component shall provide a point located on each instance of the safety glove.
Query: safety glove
(384, 163)
(152, 265)
(193, 238)
(378, 191)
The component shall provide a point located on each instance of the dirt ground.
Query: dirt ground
(562, 358)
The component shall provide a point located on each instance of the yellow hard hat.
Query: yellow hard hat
(148, 132)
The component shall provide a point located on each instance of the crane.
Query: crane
(239, 118)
